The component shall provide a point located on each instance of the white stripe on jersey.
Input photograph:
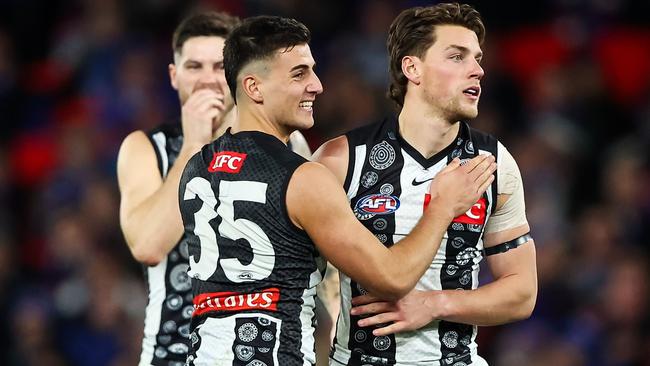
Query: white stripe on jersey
(342, 354)
(161, 144)
(359, 158)
(306, 315)
(217, 339)
(157, 291)
(409, 345)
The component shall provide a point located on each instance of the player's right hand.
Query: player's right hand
(198, 114)
(458, 187)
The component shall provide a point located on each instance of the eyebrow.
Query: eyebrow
(299, 67)
(196, 61)
(463, 49)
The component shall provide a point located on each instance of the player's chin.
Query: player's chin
(305, 121)
(469, 112)
(306, 124)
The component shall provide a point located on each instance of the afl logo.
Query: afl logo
(379, 204)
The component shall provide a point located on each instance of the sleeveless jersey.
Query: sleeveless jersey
(169, 308)
(388, 183)
(254, 273)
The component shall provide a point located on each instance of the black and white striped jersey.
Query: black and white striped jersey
(387, 184)
(254, 273)
(169, 308)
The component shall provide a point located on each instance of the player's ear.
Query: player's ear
(251, 86)
(172, 75)
(411, 68)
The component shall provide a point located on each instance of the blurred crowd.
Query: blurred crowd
(567, 89)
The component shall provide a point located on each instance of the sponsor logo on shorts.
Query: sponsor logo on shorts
(227, 161)
(233, 301)
(378, 204)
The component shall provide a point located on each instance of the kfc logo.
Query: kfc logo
(475, 215)
(227, 161)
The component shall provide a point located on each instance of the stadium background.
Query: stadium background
(567, 89)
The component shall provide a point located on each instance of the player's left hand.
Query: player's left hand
(411, 312)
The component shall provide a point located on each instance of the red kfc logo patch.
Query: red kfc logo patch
(227, 161)
(475, 215)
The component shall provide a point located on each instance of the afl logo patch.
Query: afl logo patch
(382, 156)
(377, 204)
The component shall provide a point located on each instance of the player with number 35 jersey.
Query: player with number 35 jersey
(258, 252)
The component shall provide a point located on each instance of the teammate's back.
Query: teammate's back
(260, 278)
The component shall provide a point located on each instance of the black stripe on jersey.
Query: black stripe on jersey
(460, 251)
(486, 142)
(248, 345)
(385, 159)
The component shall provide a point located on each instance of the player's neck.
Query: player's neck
(254, 119)
(427, 132)
(226, 121)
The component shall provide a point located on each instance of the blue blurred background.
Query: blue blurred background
(567, 89)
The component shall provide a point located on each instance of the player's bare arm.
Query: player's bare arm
(510, 297)
(149, 214)
(512, 294)
(343, 240)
